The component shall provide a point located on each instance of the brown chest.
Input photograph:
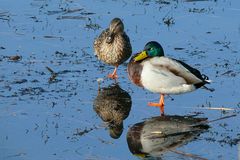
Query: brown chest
(134, 73)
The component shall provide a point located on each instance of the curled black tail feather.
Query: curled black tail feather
(205, 77)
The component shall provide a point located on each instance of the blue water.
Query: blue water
(56, 120)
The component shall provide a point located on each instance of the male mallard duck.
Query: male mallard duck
(153, 137)
(159, 74)
(113, 45)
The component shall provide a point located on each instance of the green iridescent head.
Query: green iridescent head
(151, 49)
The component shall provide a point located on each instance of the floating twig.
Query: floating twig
(53, 37)
(14, 58)
(188, 155)
(219, 108)
(72, 10)
(221, 118)
(53, 75)
(214, 120)
(50, 70)
(71, 17)
(64, 11)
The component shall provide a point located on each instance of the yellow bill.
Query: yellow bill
(140, 155)
(142, 55)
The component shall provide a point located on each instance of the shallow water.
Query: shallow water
(47, 116)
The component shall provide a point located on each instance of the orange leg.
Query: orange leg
(114, 74)
(160, 104)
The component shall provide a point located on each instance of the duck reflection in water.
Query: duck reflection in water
(113, 105)
(151, 138)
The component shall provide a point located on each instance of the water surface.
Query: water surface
(46, 116)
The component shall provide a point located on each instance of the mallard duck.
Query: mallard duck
(150, 69)
(113, 105)
(113, 46)
(151, 138)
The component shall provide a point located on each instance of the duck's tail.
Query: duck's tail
(206, 79)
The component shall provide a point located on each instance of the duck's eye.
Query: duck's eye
(150, 49)
(109, 39)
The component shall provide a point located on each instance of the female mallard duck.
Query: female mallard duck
(159, 74)
(113, 46)
(113, 105)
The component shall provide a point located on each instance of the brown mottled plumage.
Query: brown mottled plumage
(113, 105)
(113, 45)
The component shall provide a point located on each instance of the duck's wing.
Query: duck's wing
(128, 43)
(180, 69)
(194, 71)
(100, 40)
